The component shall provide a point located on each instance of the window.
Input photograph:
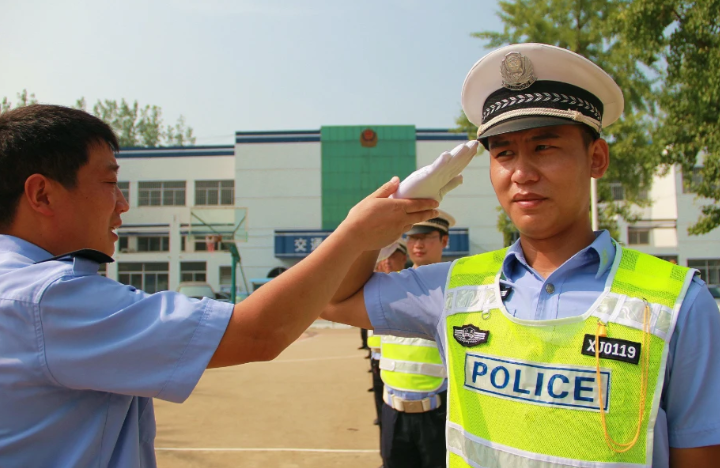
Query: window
(695, 178)
(617, 191)
(215, 192)
(149, 277)
(167, 193)
(638, 236)
(709, 269)
(125, 189)
(123, 243)
(193, 271)
(225, 275)
(102, 269)
(153, 244)
(669, 258)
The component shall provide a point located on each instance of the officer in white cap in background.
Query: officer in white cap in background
(413, 374)
(427, 240)
(565, 349)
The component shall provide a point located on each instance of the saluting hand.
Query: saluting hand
(443, 175)
(379, 220)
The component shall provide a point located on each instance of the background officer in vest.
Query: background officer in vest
(590, 354)
(392, 259)
(415, 388)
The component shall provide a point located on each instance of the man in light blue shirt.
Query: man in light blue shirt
(539, 112)
(81, 355)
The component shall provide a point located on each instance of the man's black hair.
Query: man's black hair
(42, 139)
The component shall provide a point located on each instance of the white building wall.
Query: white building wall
(280, 185)
(170, 218)
(706, 246)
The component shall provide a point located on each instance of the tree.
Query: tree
(23, 100)
(589, 28)
(133, 124)
(685, 37)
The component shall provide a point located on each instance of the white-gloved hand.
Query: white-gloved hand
(443, 175)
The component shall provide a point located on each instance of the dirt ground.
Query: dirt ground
(308, 408)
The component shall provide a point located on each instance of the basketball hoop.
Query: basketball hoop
(211, 242)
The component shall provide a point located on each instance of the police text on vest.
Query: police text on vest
(571, 387)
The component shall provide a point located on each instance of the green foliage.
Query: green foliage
(23, 97)
(134, 125)
(590, 28)
(685, 37)
(506, 227)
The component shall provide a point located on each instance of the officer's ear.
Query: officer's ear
(39, 194)
(600, 158)
(444, 238)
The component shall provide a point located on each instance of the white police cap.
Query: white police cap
(442, 223)
(523, 86)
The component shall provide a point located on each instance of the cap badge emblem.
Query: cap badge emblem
(517, 72)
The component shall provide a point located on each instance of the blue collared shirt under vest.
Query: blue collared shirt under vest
(410, 303)
(82, 357)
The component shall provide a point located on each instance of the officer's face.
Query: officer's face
(426, 248)
(90, 213)
(542, 178)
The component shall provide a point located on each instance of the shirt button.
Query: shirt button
(549, 288)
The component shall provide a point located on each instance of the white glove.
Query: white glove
(443, 175)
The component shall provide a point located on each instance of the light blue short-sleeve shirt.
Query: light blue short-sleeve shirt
(82, 357)
(410, 303)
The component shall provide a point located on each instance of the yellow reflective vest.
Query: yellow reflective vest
(411, 364)
(374, 341)
(527, 393)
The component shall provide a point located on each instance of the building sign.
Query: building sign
(299, 243)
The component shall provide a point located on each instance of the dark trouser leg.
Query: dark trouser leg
(377, 386)
(429, 429)
(398, 449)
(363, 338)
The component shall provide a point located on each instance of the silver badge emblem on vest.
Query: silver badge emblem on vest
(517, 72)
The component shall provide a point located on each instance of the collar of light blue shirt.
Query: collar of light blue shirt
(23, 247)
(601, 252)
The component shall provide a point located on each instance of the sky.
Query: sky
(244, 65)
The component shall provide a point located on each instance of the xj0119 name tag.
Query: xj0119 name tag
(612, 348)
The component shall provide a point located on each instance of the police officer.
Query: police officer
(565, 349)
(394, 261)
(82, 356)
(415, 388)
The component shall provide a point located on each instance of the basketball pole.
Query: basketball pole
(236, 260)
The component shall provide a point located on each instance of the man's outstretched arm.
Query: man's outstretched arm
(274, 316)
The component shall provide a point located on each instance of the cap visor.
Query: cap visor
(423, 230)
(525, 123)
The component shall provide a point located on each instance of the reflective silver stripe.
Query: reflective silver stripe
(389, 339)
(407, 367)
(480, 453)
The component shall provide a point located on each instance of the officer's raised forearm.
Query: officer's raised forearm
(273, 317)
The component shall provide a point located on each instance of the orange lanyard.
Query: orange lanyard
(601, 330)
